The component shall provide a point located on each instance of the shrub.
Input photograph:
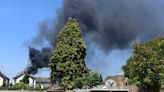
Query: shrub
(19, 86)
(39, 88)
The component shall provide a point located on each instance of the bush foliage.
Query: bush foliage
(19, 86)
(145, 68)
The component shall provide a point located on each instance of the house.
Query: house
(18, 78)
(120, 80)
(43, 82)
(4, 81)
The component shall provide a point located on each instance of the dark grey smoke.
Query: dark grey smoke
(46, 33)
(113, 23)
(109, 24)
(39, 59)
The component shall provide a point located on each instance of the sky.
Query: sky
(19, 21)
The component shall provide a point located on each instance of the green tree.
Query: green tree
(25, 79)
(67, 60)
(93, 79)
(145, 68)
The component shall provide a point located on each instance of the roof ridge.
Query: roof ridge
(3, 75)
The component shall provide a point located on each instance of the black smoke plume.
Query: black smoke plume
(108, 24)
(39, 59)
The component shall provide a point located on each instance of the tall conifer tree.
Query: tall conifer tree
(67, 60)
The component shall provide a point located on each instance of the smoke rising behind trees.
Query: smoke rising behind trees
(107, 25)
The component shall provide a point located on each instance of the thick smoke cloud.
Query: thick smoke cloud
(108, 24)
(39, 59)
(113, 23)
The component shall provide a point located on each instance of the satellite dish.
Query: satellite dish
(110, 83)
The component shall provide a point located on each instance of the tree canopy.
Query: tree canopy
(25, 79)
(67, 60)
(145, 68)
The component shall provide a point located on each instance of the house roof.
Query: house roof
(42, 80)
(22, 73)
(3, 76)
(116, 76)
